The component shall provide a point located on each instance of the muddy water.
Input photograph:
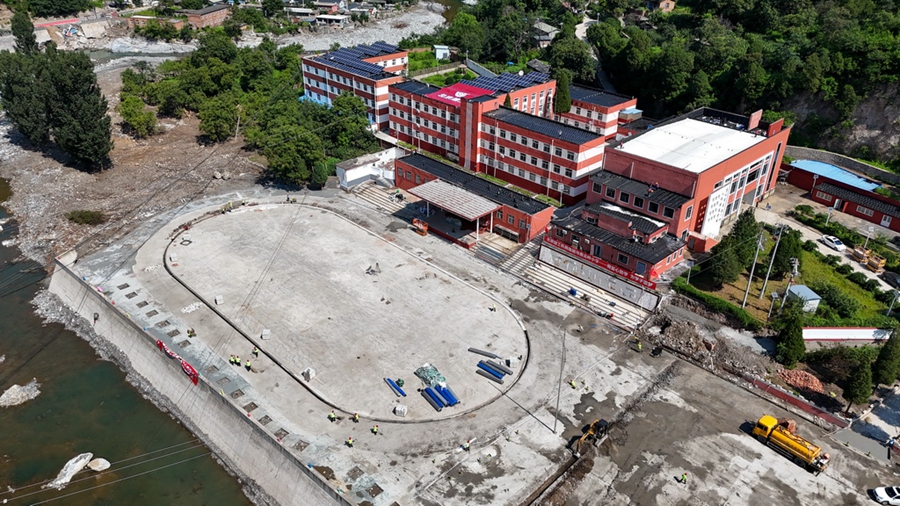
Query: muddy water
(86, 405)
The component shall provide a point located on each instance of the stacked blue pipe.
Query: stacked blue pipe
(452, 393)
(431, 400)
(490, 370)
(437, 393)
(450, 398)
(396, 388)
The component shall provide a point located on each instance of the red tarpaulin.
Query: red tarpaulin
(186, 367)
(453, 94)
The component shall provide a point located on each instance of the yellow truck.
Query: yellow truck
(781, 436)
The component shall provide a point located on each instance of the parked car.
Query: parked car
(833, 242)
(891, 278)
(887, 495)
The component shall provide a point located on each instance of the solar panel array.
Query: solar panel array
(350, 59)
(508, 82)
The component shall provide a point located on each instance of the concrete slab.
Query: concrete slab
(350, 305)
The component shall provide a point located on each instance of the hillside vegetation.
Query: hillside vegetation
(813, 61)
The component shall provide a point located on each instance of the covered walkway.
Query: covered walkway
(454, 213)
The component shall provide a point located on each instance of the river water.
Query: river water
(85, 405)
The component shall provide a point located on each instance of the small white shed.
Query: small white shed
(810, 298)
(441, 52)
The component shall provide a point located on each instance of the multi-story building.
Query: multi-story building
(365, 71)
(468, 124)
(213, 15)
(599, 111)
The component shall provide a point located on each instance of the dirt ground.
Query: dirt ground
(145, 177)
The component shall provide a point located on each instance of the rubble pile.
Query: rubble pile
(802, 380)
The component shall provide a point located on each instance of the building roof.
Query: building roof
(475, 184)
(690, 144)
(597, 97)
(640, 189)
(803, 292)
(337, 17)
(416, 87)
(651, 253)
(545, 28)
(538, 66)
(455, 199)
(439, 46)
(638, 221)
(207, 10)
(350, 59)
(835, 173)
(543, 126)
(504, 83)
(453, 94)
(860, 198)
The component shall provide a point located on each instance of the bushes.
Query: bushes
(803, 209)
(86, 217)
(843, 269)
(848, 236)
(831, 295)
(858, 278)
(680, 285)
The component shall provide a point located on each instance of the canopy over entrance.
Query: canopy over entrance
(454, 199)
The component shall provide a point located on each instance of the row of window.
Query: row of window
(533, 160)
(425, 137)
(434, 111)
(621, 258)
(745, 176)
(425, 123)
(524, 174)
(525, 141)
(638, 202)
(860, 209)
(339, 79)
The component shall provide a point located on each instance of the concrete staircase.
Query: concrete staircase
(626, 314)
(522, 258)
(381, 198)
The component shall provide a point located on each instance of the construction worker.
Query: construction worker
(684, 478)
(237, 360)
(331, 416)
(493, 308)
(572, 384)
(248, 364)
(231, 359)
(350, 442)
(640, 346)
(256, 352)
(375, 430)
(466, 445)
(355, 417)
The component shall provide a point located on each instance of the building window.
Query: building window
(561, 232)
(502, 134)
(523, 224)
(570, 155)
(610, 192)
(512, 220)
(523, 140)
(690, 211)
(522, 157)
(534, 144)
(418, 179)
(622, 259)
(545, 165)
(532, 176)
(668, 212)
(557, 151)
(638, 202)
(516, 104)
(569, 172)
(556, 169)
(512, 153)
(554, 185)
(624, 197)
(513, 137)
(534, 161)
(824, 196)
(499, 214)
(598, 250)
(578, 110)
(864, 210)
(502, 150)
(653, 207)
(546, 148)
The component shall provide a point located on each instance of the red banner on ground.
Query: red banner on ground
(186, 367)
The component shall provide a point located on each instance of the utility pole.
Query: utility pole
(752, 269)
(771, 261)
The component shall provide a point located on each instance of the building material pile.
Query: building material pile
(430, 375)
(802, 380)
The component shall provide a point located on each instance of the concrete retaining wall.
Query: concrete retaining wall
(273, 474)
(846, 162)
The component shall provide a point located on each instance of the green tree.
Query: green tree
(214, 44)
(574, 55)
(744, 235)
(78, 110)
(726, 267)
(272, 7)
(23, 31)
(887, 365)
(562, 102)
(466, 33)
(507, 102)
(193, 4)
(292, 153)
(24, 95)
(859, 385)
(218, 118)
(141, 122)
(791, 348)
(47, 8)
(791, 246)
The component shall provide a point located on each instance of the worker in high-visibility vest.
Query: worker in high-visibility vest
(331, 416)
(466, 446)
(355, 417)
(350, 442)
(375, 430)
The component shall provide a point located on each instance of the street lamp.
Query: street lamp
(815, 179)
(772, 305)
(896, 294)
(830, 210)
(871, 229)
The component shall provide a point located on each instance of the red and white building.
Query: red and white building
(599, 111)
(364, 71)
(669, 189)
(468, 124)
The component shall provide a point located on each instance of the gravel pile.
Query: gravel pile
(802, 380)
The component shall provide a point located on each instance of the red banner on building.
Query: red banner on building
(603, 264)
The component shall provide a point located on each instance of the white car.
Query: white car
(887, 495)
(833, 242)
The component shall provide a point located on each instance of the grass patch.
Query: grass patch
(716, 303)
(424, 60)
(452, 77)
(549, 200)
(83, 217)
(495, 180)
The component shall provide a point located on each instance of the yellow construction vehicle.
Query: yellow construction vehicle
(781, 436)
(596, 431)
(861, 254)
(875, 263)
